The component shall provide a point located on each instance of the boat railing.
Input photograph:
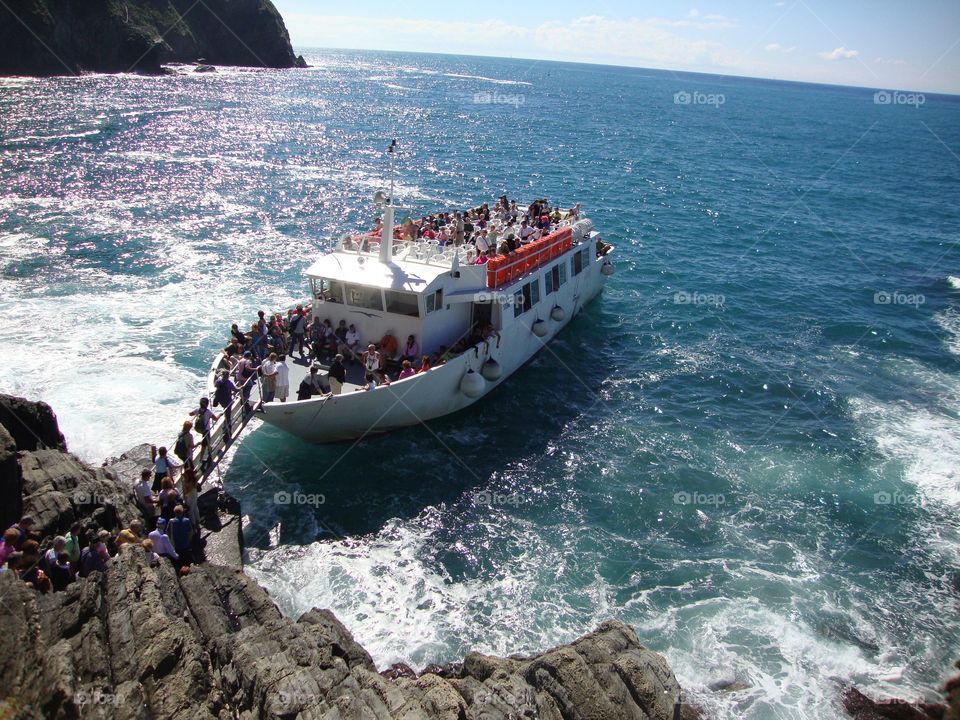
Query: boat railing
(504, 269)
(222, 432)
(500, 271)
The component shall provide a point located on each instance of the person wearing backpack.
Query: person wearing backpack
(183, 448)
(203, 421)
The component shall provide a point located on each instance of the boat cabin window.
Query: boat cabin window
(328, 290)
(554, 278)
(576, 264)
(402, 303)
(435, 301)
(364, 297)
(526, 297)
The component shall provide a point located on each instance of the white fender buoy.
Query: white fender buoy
(607, 268)
(472, 385)
(491, 370)
(557, 313)
(539, 328)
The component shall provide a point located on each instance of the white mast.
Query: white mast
(386, 233)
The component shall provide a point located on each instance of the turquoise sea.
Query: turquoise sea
(747, 448)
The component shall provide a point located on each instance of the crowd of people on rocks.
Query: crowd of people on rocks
(490, 231)
(169, 528)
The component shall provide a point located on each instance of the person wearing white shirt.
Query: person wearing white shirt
(525, 232)
(483, 244)
(353, 342)
(161, 543)
(268, 374)
(145, 497)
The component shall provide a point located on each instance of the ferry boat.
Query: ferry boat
(384, 285)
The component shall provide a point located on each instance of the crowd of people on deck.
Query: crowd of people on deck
(490, 231)
(263, 354)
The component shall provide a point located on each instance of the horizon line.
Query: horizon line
(300, 48)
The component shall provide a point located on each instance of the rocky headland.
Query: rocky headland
(67, 37)
(142, 641)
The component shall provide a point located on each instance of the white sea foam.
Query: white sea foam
(788, 668)
(59, 136)
(924, 440)
(953, 282)
(486, 79)
(403, 607)
(949, 320)
(106, 360)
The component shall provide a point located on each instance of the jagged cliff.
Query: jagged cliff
(62, 37)
(144, 642)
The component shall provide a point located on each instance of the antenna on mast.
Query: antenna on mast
(390, 151)
(386, 233)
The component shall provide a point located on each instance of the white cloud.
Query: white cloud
(777, 47)
(840, 53)
(699, 22)
(594, 38)
(889, 61)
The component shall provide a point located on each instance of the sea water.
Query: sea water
(747, 448)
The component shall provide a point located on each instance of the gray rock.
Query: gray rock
(32, 425)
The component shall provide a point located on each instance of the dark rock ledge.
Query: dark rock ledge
(68, 37)
(144, 642)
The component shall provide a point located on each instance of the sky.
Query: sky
(909, 45)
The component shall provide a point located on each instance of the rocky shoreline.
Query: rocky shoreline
(65, 37)
(142, 641)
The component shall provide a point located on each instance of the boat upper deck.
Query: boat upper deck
(409, 271)
(422, 250)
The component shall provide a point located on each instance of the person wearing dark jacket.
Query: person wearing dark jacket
(224, 389)
(60, 573)
(312, 384)
(337, 375)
